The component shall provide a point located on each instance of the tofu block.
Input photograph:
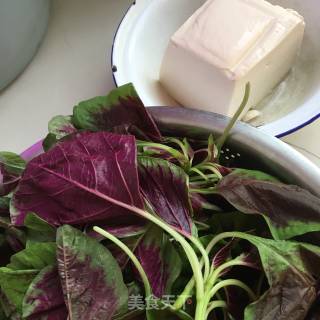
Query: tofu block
(224, 45)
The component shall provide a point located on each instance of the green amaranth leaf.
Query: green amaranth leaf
(23, 268)
(4, 206)
(38, 229)
(12, 162)
(59, 127)
(291, 278)
(2, 315)
(255, 174)
(15, 283)
(35, 256)
(121, 111)
(91, 279)
(8, 308)
(11, 167)
(279, 255)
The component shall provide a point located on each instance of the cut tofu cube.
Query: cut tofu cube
(224, 45)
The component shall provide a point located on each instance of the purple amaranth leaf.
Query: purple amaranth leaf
(59, 313)
(291, 297)
(122, 111)
(14, 242)
(67, 184)
(164, 186)
(121, 257)
(160, 261)
(224, 170)
(237, 300)
(11, 168)
(314, 313)
(223, 254)
(289, 210)
(199, 203)
(120, 231)
(44, 297)
(251, 260)
(127, 231)
(91, 279)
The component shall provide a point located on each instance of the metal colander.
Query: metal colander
(246, 147)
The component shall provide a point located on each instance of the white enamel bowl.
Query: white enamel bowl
(143, 35)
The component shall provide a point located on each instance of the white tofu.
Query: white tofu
(224, 45)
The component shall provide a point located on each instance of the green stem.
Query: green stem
(224, 310)
(212, 177)
(190, 285)
(202, 225)
(180, 302)
(231, 282)
(215, 273)
(212, 207)
(226, 132)
(131, 255)
(212, 168)
(200, 173)
(199, 310)
(179, 313)
(205, 256)
(204, 191)
(190, 253)
(147, 287)
(175, 153)
(180, 144)
(192, 257)
(218, 238)
(214, 305)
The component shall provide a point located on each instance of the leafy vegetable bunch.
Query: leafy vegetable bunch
(116, 221)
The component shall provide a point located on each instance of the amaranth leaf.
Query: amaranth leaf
(91, 279)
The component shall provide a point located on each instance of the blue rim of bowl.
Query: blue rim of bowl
(280, 135)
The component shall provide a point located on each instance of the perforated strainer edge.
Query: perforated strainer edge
(246, 146)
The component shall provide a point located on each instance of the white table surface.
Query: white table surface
(73, 64)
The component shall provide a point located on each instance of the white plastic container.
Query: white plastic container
(23, 23)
